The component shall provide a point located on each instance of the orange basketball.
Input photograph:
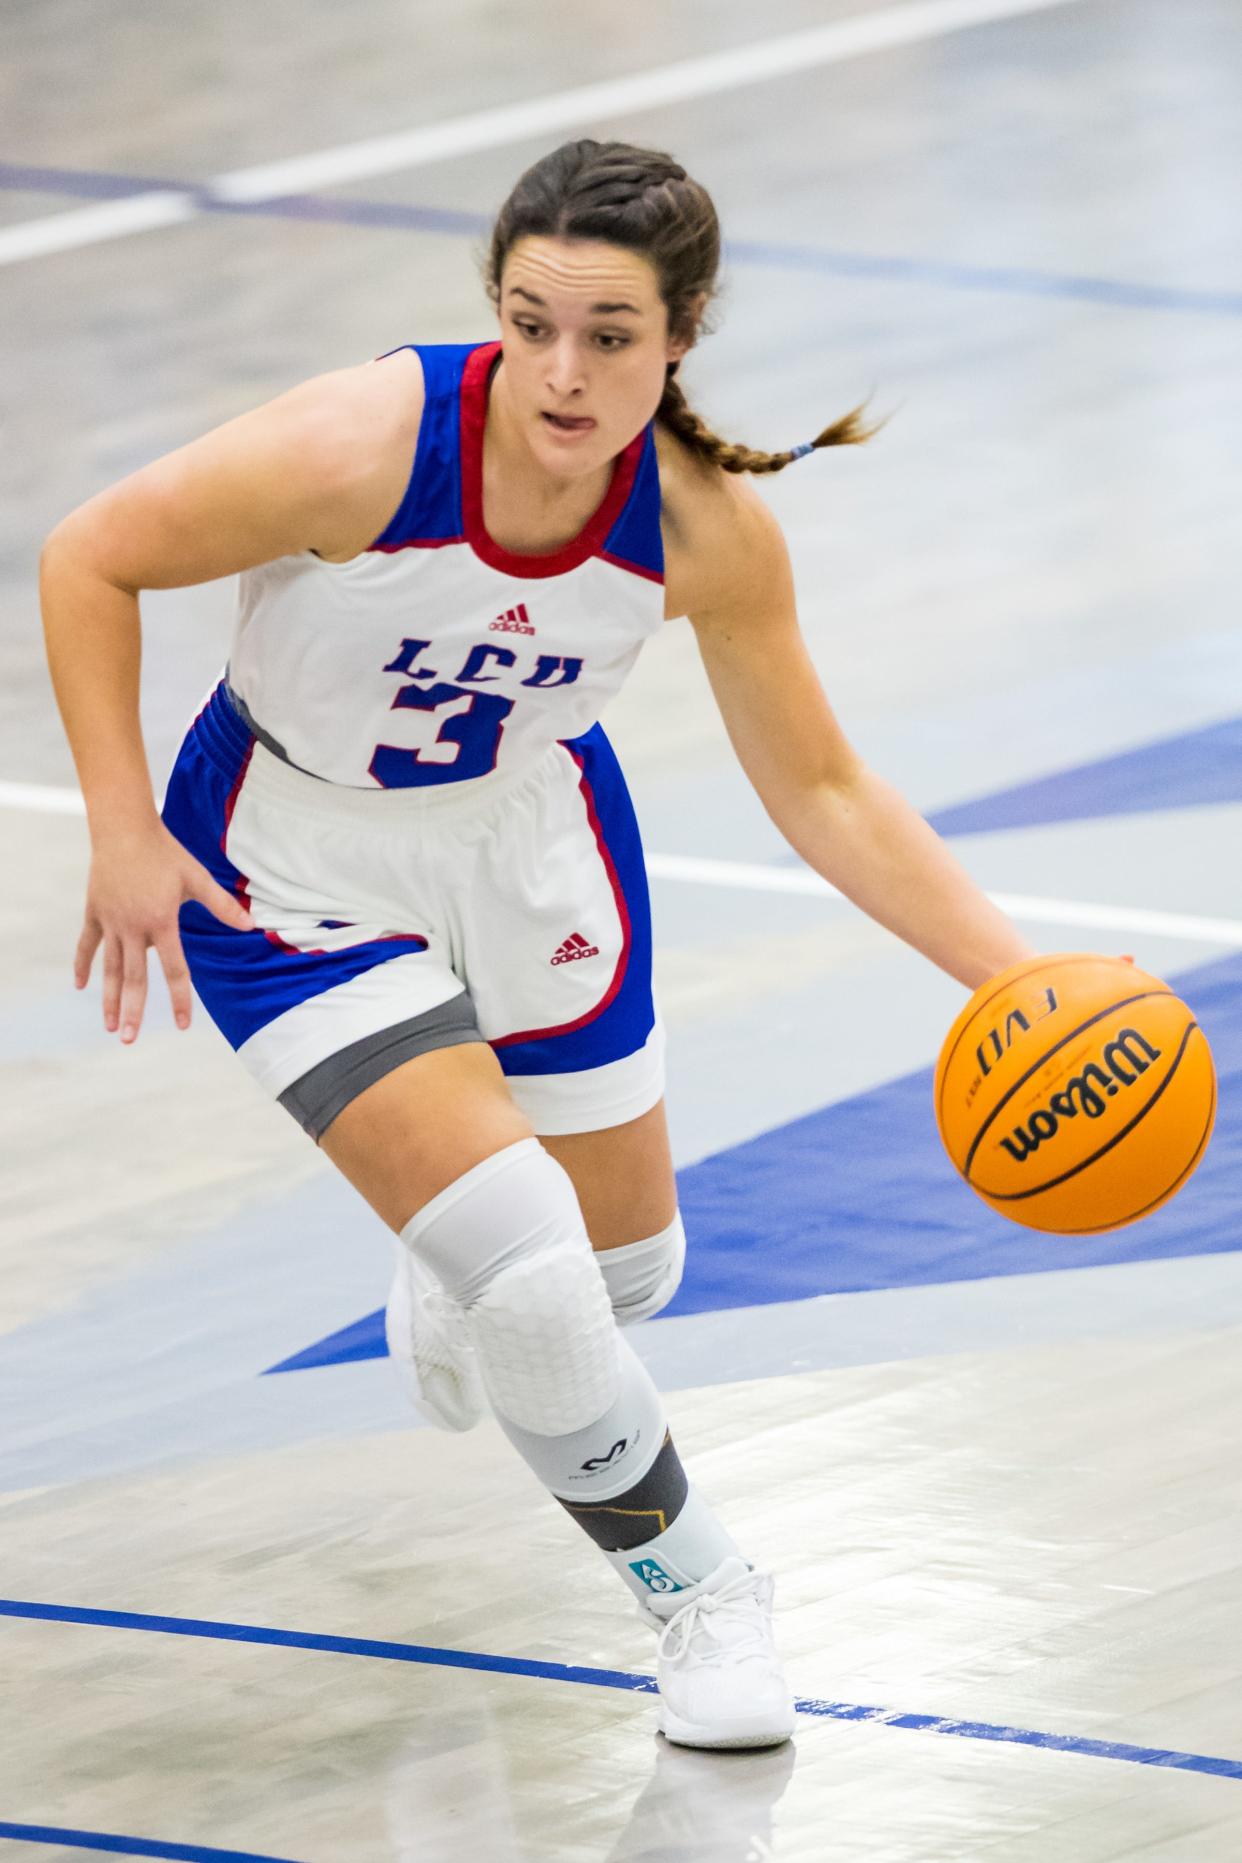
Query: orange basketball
(1075, 1093)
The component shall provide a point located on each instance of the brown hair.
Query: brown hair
(642, 199)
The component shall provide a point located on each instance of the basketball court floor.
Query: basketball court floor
(250, 1610)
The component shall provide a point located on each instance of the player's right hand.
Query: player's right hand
(138, 882)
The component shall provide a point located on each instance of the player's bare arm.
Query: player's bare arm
(733, 577)
(320, 468)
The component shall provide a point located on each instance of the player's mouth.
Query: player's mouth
(563, 423)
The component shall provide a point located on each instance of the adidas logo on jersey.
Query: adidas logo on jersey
(575, 946)
(512, 621)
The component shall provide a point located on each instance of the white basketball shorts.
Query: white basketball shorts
(513, 911)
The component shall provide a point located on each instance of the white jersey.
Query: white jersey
(436, 656)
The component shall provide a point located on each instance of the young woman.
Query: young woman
(399, 858)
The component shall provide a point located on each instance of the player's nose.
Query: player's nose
(565, 375)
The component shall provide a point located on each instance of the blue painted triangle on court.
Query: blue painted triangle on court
(1196, 767)
(860, 1196)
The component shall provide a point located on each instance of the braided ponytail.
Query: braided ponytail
(645, 201)
(680, 418)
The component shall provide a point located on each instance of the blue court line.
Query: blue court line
(603, 1678)
(1006, 280)
(131, 1846)
(99, 185)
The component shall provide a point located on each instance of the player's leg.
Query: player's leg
(507, 1244)
(422, 1127)
(627, 1191)
(623, 1176)
(465, 1114)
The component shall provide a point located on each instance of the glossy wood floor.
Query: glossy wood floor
(1002, 1512)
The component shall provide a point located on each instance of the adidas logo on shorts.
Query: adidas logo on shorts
(575, 946)
(512, 621)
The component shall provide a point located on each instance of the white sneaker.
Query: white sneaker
(719, 1676)
(430, 1348)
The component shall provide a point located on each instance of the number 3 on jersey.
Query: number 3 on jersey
(464, 746)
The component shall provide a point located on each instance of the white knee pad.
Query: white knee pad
(508, 1244)
(429, 1348)
(642, 1277)
(546, 1342)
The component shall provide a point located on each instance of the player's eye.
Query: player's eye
(612, 339)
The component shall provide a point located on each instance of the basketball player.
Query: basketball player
(399, 857)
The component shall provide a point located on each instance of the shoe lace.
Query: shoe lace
(715, 1618)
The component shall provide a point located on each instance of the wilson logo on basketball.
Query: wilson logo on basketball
(512, 621)
(1087, 1093)
(575, 946)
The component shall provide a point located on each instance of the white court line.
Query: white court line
(536, 117)
(756, 878)
(762, 879)
(41, 799)
(643, 90)
(87, 226)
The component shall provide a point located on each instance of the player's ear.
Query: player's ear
(687, 326)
